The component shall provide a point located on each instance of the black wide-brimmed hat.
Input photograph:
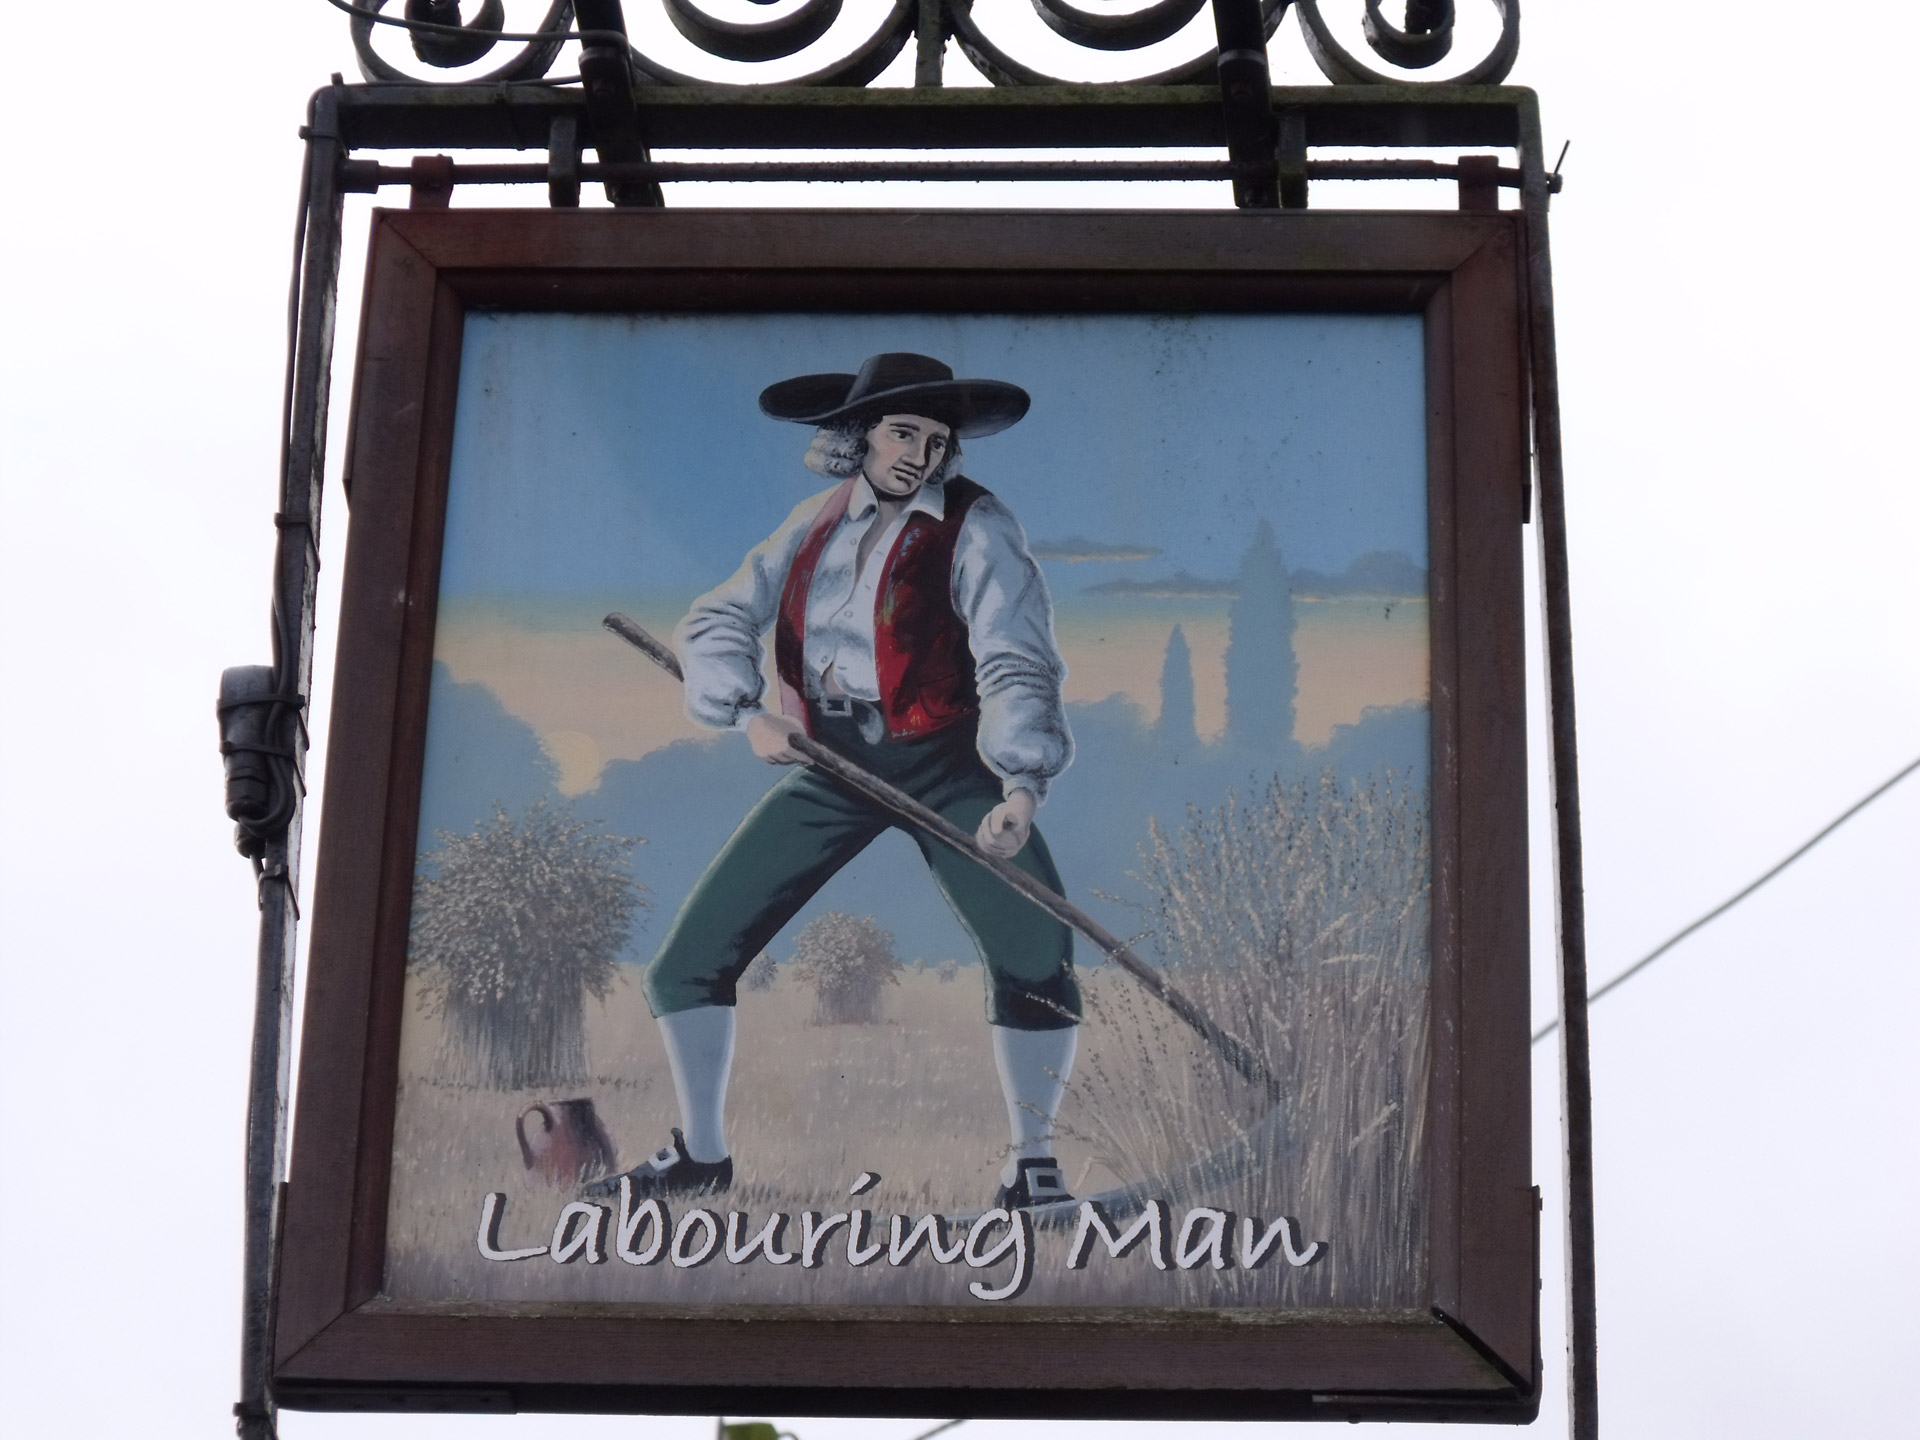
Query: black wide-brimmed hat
(899, 384)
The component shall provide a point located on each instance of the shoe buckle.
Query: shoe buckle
(1046, 1182)
(665, 1158)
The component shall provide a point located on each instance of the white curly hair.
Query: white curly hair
(840, 449)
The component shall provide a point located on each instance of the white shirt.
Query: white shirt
(998, 592)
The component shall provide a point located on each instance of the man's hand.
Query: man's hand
(768, 734)
(1005, 830)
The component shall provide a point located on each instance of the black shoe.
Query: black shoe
(1037, 1183)
(668, 1171)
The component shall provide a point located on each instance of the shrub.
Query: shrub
(514, 925)
(762, 973)
(848, 960)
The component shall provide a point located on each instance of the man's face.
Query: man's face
(902, 451)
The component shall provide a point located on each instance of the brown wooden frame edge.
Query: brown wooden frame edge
(1349, 1407)
(336, 1338)
(661, 1365)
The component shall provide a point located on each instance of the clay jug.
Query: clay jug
(568, 1145)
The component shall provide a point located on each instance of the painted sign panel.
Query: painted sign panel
(953, 794)
(1179, 565)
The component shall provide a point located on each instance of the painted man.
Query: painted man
(912, 632)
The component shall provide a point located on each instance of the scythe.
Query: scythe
(871, 787)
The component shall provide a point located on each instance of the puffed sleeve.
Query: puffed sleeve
(1000, 593)
(719, 641)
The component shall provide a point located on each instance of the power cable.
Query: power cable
(1733, 900)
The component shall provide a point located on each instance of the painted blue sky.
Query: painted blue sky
(620, 453)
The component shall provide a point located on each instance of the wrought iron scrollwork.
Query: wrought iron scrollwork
(1426, 41)
(778, 39)
(766, 40)
(1130, 31)
(431, 25)
(441, 39)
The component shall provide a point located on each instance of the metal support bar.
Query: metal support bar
(366, 176)
(1576, 1075)
(774, 117)
(563, 162)
(1291, 158)
(929, 44)
(606, 73)
(1246, 104)
(1479, 182)
(431, 182)
(295, 583)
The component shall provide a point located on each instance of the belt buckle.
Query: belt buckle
(837, 705)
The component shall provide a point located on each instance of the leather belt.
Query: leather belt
(864, 713)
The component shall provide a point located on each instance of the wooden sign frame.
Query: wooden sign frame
(1471, 1351)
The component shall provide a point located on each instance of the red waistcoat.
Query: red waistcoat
(920, 650)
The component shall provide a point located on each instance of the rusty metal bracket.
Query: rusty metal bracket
(563, 162)
(1245, 90)
(1291, 158)
(929, 44)
(431, 182)
(272, 701)
(606, 73)
(1479, 177)
(1576, 1067)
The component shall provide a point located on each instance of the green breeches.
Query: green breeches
(806, 828)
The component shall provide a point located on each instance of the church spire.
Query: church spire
(1175, 730)
(1262, 675)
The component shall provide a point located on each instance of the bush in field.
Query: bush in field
(761, 974)
(1299, 922)
(848, 960)
(514, 924)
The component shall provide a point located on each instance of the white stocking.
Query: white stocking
(700, 1049)
(1034, 1066)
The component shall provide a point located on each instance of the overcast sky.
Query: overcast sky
(1737, 351)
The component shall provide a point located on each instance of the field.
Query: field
(1329, 888)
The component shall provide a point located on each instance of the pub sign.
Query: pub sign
(1126, 1015)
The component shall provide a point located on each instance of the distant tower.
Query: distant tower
(1175, 730)
(1262, 675)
